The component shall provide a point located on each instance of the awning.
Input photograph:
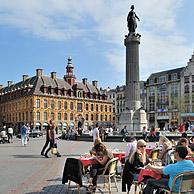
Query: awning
(65, 124)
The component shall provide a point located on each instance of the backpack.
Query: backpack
(122, 130)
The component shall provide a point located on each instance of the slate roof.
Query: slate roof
(35, 84)
(168, 72)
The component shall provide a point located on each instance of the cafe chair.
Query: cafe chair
(109, 173)
(170, 159)
(186, 185)
(139, 186)
(73, 171)
(154, 154)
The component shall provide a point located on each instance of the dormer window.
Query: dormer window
(94, 95)
(79, 95)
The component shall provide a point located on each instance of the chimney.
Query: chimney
(1, 86)
(84, 81)
(95, 83)
(25, 77)
(9, 83)
(53, 75)
(39, 72)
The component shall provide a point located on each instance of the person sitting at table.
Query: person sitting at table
(166, 145)
(191, 145)
(97, 141)
(103, 155)
(171, 170)
(137, 160)
(185, 142)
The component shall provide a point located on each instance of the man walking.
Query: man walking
(123, 133)
(10, 134)
(24, 135)
(95, 132)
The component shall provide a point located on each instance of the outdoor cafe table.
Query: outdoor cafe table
(148, 172)
(119, 155)
(190, 158)
(87, 161)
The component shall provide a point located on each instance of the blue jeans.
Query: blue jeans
(24, 139)
(153, 184)
(135, 177)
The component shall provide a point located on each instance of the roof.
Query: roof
(161, 73)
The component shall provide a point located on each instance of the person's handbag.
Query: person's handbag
(54, 151)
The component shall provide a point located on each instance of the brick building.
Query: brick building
(36, 100)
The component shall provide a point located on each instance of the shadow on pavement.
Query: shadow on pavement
(57, 179)
(72, 155)
(27, 156)
(59, 189)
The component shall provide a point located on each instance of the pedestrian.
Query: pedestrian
(145, 134)
(52, 140)
(123, 132)
(23, 132)
(10, 134)
(28, 132)
(95, 133)
(47, 141)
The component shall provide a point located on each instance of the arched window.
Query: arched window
(59, 116)
(86, 117)
(71, 116)
(38, 116)
(92, 117)
(52, 116)
(65, 105)
(52, 104)
(92, 107)
(71, 105)
(65, 116)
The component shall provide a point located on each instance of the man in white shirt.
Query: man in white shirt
(95, 132)
(10, 134)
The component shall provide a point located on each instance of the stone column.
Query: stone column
(132, 91)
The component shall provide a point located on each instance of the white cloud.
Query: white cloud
(161, 46)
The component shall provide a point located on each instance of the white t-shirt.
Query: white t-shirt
(95, 133)
(10, 130)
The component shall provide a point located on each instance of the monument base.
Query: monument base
(133, 120)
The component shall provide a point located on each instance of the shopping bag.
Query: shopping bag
(54, 150)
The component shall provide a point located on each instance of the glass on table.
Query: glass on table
(157, 162)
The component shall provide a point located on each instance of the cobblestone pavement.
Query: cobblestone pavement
(25, 171)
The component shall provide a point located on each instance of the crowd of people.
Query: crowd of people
(167, 157)
(169, 161)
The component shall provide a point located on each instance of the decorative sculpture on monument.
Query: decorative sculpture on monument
(131, 21)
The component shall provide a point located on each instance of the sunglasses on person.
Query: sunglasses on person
(142, 146)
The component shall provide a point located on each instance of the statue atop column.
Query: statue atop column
(131, 20)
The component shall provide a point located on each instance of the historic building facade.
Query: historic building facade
(117, 97)
(163, 91)
(167, 97)
(36, 100)
(170, 96)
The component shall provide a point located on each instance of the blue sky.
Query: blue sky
(43, 33)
